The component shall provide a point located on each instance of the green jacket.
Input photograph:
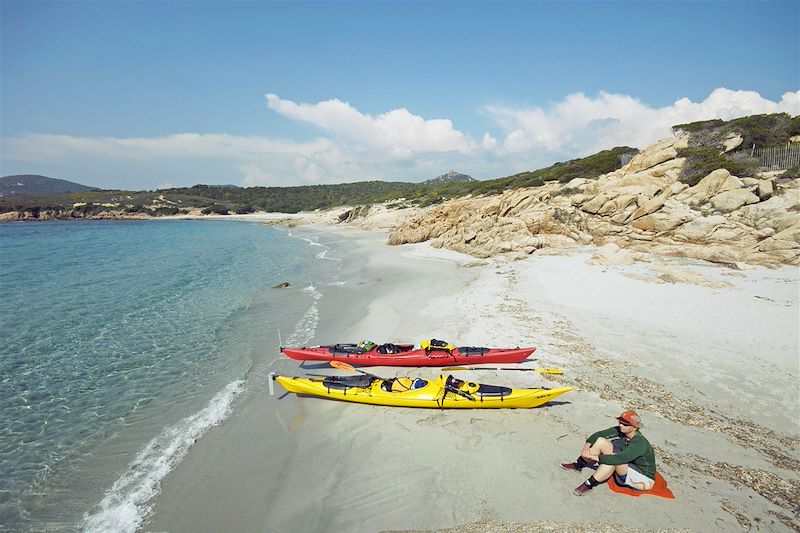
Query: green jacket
(637, 453)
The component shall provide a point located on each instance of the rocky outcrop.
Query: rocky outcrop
(69, 214)
(642, 207)
(731, 141)
(360, 211)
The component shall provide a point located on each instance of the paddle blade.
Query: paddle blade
(341, 365)
(548, 371)
(455, 368)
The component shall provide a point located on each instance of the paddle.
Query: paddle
(341, 365)
(539, 370)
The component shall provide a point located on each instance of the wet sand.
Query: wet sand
(711, 364)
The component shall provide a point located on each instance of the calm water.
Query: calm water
(123, 342)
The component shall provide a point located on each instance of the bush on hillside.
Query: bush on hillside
(759, 130)
(791, 173)
(244, 209)
(215, 209)
(165, 210)
(701, 161)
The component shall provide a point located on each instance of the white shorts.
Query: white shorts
(635, 480)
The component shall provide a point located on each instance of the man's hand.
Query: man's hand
(586, 454)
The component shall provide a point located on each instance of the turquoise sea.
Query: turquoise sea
(122, 342)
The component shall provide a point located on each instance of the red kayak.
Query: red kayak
(432, 353)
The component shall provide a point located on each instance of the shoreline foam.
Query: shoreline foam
(128, 502)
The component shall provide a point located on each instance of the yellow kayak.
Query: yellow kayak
(444, 392)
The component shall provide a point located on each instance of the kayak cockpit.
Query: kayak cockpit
(368, 346)
(348, 382)
(402, 384)
(493, 390)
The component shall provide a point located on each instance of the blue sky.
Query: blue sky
(141, 95)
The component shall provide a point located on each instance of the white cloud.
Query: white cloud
(395, 145)
(489, 142)
(254, 175)
(185, 159)
(579, 125)
(178, 145)
(398, 131)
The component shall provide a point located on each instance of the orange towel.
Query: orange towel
(659, 488)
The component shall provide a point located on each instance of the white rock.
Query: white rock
(733, 140)
(731, 200)
(701, 227)
(611, 254)
(765, 189)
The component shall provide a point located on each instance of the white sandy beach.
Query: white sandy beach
(711, 364)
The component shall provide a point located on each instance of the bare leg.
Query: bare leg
(601, 447)
(604, 472)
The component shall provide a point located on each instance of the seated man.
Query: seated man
(620, 451)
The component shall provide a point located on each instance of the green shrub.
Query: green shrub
(215, 209)
(700, 125)
(244, 209)
(165, 210)
(759, 130)
(566, 191)
(791, 173)
(701, 161)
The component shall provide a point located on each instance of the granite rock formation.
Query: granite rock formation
(641, 207)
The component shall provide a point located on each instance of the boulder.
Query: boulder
(778, 212)
(700, 228)
(731, 200)
(611, 254)
(765, 189)
(625, 214)
(667, 219)
(648, 182)
(764, 233)
(617, 204)
(677, 188)
(578, 199)
(577, 183)
(656, 153)
(731, 141)
(788, 239)
(595, 204)
(650, 206)
(714, 183)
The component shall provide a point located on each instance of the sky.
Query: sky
(151, 94)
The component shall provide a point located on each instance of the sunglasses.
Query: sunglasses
(621, 423)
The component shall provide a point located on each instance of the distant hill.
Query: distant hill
(703, 154)
(450, 177)
(32, 184)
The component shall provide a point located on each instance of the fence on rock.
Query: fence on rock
(777, 157)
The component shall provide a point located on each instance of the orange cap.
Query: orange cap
(630, 418)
